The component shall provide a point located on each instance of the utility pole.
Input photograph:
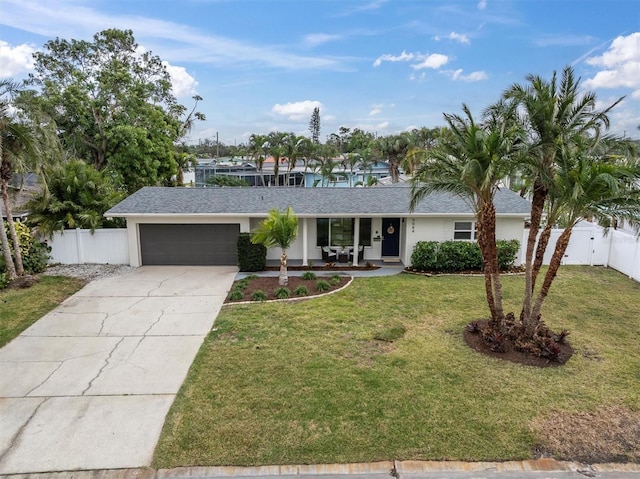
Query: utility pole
(217, 146)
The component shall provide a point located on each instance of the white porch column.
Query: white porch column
(305, 253)
(356, 239)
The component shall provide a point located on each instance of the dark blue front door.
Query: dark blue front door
(391, 237)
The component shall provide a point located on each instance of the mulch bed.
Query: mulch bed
(270, 284)
(475, 341)
(409, 269)
(325, 267)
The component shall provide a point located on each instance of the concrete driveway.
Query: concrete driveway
(89, 385)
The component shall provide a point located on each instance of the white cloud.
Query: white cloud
(403, 57)
(315, 39)
(471, 77)
(435, 61)
(621, 63)
(422, 77)
(456, 37)
(182, 84)
(14, 60)
(375, 111)
(482, 4)
(299, 110)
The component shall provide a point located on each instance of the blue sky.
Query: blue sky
(380, 65)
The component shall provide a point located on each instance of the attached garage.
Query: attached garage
(188, 244)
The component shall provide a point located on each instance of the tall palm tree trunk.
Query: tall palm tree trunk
(6, 252)
(12, 229)
(554, 265)
(537, 208)
(487, 243)
(543, 241)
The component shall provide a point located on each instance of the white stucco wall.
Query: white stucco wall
(412, 230)
(441, 229)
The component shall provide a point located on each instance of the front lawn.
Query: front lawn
(20, 308)
(308, 382)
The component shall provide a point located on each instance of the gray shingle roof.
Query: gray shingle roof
(304, 201)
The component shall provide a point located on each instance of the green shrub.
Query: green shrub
(4, 281)
(323, 285)
(459, 256)
(258, 296)
(35, 254)
(282, 293)
(454, 256)
(251, 257)
(242, 284)
(236, 295)
(251, 276)
(335, 279)
(424, 256)
(301, 291)
(309, 275)
(507, 253)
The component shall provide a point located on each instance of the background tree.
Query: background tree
(113, 105)
(258, 148)
(277, 150)
(393, 148)
(77, 196)
(314, 125)
(26, 143)
(278, 229)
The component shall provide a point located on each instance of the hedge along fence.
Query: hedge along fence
(453, 256)
(251, 257)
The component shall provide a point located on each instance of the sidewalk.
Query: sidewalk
(532, 469)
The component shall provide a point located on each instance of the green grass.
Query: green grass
(307, 383)
(20, 308)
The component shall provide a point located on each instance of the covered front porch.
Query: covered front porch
(353, 241)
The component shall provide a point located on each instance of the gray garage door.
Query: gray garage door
(176, 244)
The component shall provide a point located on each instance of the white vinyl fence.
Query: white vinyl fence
(106, 246)
(588, 245)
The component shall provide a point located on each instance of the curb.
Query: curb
(391, 468)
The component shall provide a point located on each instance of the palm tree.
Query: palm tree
(17, 145)
(257, 148)
(556, 114)
(278, 229)
(470, 162)
(587, 185)
(327, 167)
(350, 162)
(276, 147)
(393, 148)
(293, 147)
